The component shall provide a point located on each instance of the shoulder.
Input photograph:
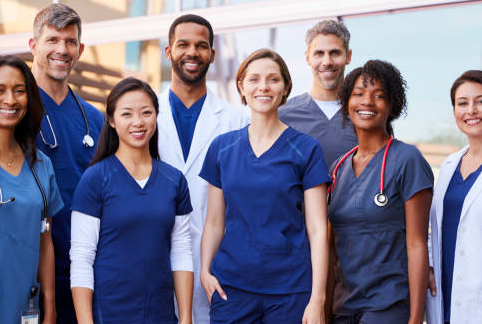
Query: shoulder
(224, 106)
(167, 169)
(98, 169)
(454, 157)
(92, 113)
(405, 151)
(294, 103)
(302, 138)
(43, 163)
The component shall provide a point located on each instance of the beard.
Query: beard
(188, 77)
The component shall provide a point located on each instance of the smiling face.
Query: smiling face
(327, 58)
(368, 107)
(468, 109)
(55, 52)
(190, 53)
(13, 97)
(134, 120)
(263, 86)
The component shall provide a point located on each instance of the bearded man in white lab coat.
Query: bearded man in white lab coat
(190, 117)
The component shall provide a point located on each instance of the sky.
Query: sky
(430, 47)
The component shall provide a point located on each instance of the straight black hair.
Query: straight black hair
(109, 140)
(27, 130)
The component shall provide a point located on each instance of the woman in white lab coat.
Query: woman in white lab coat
(455, 245)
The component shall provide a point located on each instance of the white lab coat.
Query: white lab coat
(466, 303)
(216, 117)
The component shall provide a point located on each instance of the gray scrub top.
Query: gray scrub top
(372, 271)
(303, 114)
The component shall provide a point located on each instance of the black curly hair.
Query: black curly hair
(394, 87)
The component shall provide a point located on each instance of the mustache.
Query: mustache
(195, 59)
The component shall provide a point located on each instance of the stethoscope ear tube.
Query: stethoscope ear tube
(45, 226)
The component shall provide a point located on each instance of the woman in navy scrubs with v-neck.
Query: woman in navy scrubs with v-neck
(262, 259)
(379, 207)
(131, 243)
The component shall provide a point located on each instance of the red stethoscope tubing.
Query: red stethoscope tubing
(382, 172)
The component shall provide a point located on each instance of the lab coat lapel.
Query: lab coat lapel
(473, 193)
(443, 183)
(168, 137)
(205, 129)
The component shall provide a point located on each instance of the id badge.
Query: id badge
(30, 316)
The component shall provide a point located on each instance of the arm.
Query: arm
(182, 267)
(416, 217)
(316, 227)
(330, 282)
(85, 236)
(212, 235)
(46, 275)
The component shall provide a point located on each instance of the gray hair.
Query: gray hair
(57, 16)
(329, 27)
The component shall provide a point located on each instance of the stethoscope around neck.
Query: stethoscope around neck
(45, 226)
(88, 141)
(380, 198)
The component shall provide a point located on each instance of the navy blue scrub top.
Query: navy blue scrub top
(69, 159)
(372, 271)
(132, 269)
(185, 120)
(453, 202)
(265, 248)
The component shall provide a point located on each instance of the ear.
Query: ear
(32, 43)
(307, 55)
(167, 52)
(213, 54)
(348, 57)
(111, 122)
(81, 49)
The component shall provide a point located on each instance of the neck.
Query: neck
(475, 147)
(7, 141)
(133, 156)
(319, 93)
(371, 142)
(188, 93)
(265, 125)
(56, 89)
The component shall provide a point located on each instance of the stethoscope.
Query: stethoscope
(380, 198)
(45, 226)
(87, 140)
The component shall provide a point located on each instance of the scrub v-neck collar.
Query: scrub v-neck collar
(130, 179)
(374, 162)
(273, 148)
(13, 176)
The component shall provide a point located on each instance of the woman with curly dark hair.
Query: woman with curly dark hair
(380, 201)
(28, 197)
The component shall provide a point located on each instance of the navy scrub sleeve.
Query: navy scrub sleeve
(265, 248)
(132, 269)
(372, 273)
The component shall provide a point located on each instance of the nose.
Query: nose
(326, 60)
(138, 120)
(61, 47)
(8, 98)
(192, 50)
(473, 108)
(263, 86)
(367, 100)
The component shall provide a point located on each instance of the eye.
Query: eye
(479, 102)
(357, 94)
(125, 114)
(274, 79)
(462, 103)
(20, 91)
(72, 42)
(203, 46)
(380, 96)
(252, 79)
(147, 112)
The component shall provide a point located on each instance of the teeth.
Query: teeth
(365, 112)
(473, 121)
(138, 133)
(191, 64)
(263, 98)
(8, 111)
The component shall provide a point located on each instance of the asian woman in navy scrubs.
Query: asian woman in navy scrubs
(26, 254)
(131, 244)
(455, 216)
(381, 275)
(262, 259)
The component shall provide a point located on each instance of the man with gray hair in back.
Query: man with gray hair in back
(317, 113)
(68, 133)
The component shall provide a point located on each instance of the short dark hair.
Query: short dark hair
(190, 18)
(468, 76)
(27, 130)
(58, 16)
(108, 139)
(394, 87)
(261, 54)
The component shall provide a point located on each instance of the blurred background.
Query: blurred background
(431, 42)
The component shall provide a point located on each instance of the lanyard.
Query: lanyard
(380, 198)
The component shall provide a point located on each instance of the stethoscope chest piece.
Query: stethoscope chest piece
(88, 141)
(380, 199)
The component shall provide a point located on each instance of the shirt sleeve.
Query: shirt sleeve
(88, 196)
(181, 248)
(210, 170)
(183, 201)
(415, 174)
(54, 199)
(84, 238)
(315, 171)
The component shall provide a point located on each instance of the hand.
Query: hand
(211, 284)
(314, 313)
(187, 320)
(431, 282)
(49, 320)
